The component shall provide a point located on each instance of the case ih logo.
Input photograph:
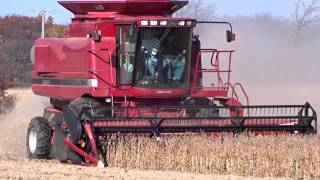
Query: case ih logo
(164, 92)
(99, 7)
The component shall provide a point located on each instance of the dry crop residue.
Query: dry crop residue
(18, 167)
(259, 156)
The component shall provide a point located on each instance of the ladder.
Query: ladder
(118, 102)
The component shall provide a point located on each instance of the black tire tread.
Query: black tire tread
(75, 122)
(43, 138)
(84, 102)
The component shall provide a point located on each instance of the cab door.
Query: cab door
(126, 54)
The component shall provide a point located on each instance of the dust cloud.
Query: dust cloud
(14, 124)
(275, 63)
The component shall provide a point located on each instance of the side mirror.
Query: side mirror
(230, 36)
(96, 36)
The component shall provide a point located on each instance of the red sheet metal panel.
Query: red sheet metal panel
(42, 58)
(125, 6)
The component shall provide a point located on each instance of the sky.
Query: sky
(281, 8)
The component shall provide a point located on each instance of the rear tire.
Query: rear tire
(198, 102)
(38, 139)
(75, 127)
(73, 119)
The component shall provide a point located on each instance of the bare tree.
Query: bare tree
(197, 9)
(307, 12)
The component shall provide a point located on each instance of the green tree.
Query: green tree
(17, 36)
(57, 31)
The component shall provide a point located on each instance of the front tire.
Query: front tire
(38, 139)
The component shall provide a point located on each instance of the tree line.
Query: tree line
(17, 35)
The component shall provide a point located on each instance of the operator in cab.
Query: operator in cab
(152, 63)
(176, 67)
(150, 46)
(163, 58)
(173, 67)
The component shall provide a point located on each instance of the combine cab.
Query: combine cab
(129, 67)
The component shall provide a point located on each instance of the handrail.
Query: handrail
(195, 77)
(220, 82)
(112, 105)
(243, 90)
(111, 68)
(234, 93)
(216, 65)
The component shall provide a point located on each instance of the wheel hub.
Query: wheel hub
(33, 141)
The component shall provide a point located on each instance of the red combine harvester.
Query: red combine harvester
(129, 67)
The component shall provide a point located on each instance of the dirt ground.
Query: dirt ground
(15, 166)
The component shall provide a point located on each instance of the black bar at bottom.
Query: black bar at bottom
(206, 129)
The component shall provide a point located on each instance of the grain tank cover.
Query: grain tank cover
(143, 7)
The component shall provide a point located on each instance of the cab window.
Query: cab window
(126, 48)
